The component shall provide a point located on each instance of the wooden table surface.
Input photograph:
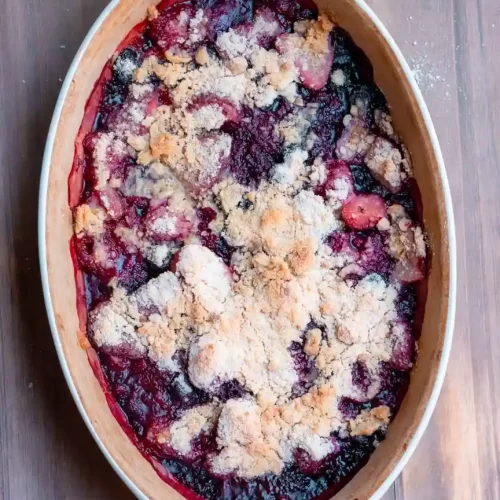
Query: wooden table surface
(453, 46)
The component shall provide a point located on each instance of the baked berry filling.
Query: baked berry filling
(248, 233)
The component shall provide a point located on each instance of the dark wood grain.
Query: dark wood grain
(46, 451)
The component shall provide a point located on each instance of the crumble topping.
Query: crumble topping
(230, 194)
(271, 74)
(355, 139)
(367, 422)
(106, 148)
(341, 191)
(338, 77)
(313, 342)
(114, 323)
(194, 422)
(385, 162)
(277, 221)
(287, 173)
(201, 55)
(161, 254)
(315, 35)
(256, 441)
(199, 161)
(244, 42)
(283, 286)
(212, 79)
(384, 122)
(121, 320)
(206, 276)
(318, 172)
(405, 239)
(293, 129)
(243, 331)
(89, 220)
(125, 68)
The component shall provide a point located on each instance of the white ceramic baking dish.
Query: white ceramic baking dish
(413, 124)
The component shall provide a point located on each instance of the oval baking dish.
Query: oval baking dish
(411, 121)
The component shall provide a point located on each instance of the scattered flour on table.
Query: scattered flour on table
(426, 71)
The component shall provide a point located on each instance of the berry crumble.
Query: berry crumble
(249, 248)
